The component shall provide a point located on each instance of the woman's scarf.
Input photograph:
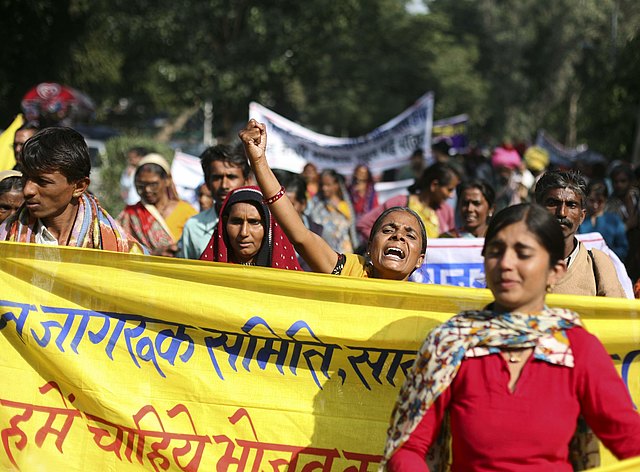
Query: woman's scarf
(474, 334)
(363, 203)
(276, 249)
(157, 159)
(146, 224)
(93, 228)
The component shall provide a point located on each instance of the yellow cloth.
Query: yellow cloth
(131, 363)
(428, 215)
(178, 217)
(354, 266)
(7, 158)
(343, 207)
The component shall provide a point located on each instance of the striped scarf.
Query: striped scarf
(93, 228)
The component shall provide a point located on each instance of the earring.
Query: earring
(549, 288)
(367, 261)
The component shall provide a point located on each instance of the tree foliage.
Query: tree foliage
(341, 68)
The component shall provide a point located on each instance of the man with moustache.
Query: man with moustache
(225, 169)
(589, 272)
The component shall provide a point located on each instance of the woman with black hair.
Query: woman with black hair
(516, 386)
(398, 240)
(427, 197)
(331, 207)
(247, 234)
(475, 206)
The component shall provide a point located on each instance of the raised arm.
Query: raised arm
(314, 249)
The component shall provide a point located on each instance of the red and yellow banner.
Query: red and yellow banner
(128, 362)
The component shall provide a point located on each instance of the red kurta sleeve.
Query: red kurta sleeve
(411, 456)
(604, 400)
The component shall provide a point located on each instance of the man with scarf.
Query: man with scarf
(58, 208)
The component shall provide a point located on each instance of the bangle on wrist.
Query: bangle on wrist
(276, 197)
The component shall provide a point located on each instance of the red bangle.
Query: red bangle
(276, 197)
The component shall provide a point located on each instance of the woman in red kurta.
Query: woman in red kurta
(517, 386)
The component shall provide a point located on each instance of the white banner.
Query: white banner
(290, 146)
(187, 175)
(458, 262)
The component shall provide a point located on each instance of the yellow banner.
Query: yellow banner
(7, 158)
(126, 362)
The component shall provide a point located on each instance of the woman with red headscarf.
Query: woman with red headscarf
(247, 234)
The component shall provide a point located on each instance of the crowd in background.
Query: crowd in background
(455, 196)
(471, 366)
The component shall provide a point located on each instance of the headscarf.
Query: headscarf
(276, 249)
(93, 228)
(474, 334)
(536, 158)
(158, 160)
(5, 174)
(503, 157)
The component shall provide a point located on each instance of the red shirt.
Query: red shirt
(530, 428)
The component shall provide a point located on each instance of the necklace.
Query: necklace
(512, 357)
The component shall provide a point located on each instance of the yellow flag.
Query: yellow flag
(7, 158)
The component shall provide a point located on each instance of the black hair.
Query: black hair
(253, 197)
(439, 171)
(57, 149)
(293, 183)
(139, 150)
(485, 188)
(10, 184)
(227, 154)
(423, 231)
(599, 187)
(554, 179)
(369, 174)
(542, 224)
(338, 177)
(623, 168)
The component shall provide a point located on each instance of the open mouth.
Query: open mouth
(394, 252)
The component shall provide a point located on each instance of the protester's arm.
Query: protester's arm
(411, 455)
(604, 400)
(315, 251)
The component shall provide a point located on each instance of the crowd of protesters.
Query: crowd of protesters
(454, 197)
(321, 221)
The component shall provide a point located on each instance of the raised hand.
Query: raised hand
(254, 139)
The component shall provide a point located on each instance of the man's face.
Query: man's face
(19, 139)
(49, 194)
(566, 206)
(223, 178)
